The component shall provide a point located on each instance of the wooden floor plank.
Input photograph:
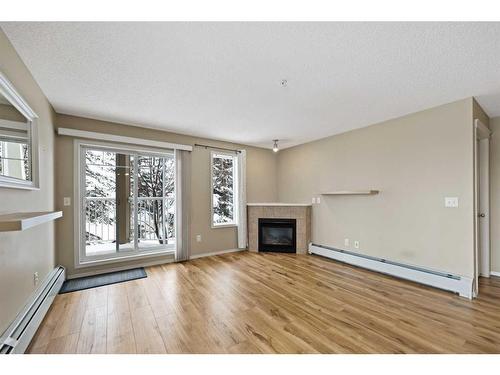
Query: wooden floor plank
(71, 318)
(270, 303)
(63, 344)
(120, 333)
(93, 334)
(46, 329)
(146, 332)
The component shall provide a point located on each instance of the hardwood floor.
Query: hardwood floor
(270, 303)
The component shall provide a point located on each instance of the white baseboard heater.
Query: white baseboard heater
(442, 280)
(18, 335)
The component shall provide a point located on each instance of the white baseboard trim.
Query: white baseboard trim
(495, 273)
(18, 335)
(442, 280)
(121, 268)
(196, 256)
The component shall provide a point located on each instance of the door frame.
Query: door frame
(80, 258)
(482, 248)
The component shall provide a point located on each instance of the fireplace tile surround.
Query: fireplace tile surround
(300, 212)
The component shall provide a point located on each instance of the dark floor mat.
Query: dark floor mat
(101, 280)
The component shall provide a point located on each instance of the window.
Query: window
(224, 192)
(127, 203)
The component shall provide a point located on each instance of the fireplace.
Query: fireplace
(278, 235)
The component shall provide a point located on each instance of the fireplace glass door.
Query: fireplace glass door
(277, 235)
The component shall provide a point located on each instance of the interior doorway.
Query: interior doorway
(482, 203)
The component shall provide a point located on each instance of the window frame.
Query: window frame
(233, 156)
(11, 95)
(81, 260)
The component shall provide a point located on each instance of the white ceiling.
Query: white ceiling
(222, 80)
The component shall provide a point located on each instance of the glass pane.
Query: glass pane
(170, 210)
(150, 222)
(169, 177)
(100, 227)
(277, 236)
(169, 184)
(109, 202)
(155, 177)
(223, 189)
(100, 174)
(150, 176)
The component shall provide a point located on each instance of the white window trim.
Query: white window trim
(10, 93)
(234, 224)
(80, 259)
(122, 139)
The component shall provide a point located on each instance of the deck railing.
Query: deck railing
(100, 219)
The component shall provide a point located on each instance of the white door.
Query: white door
(482, 203)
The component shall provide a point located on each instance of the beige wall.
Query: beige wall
(261, 185)
(23, 253)
(415, 161)
(495, 193)
(9, 112)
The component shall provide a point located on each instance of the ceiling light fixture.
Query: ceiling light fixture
(275, 146)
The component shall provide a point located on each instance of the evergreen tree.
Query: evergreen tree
(223, 190)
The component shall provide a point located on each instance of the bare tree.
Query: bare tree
(154, 174)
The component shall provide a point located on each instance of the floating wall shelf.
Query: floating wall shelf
(352, 192)
(24, 220)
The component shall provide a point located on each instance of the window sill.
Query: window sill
(18, 185)
(121, 259)
(224, 226)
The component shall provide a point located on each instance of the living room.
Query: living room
(249, 187)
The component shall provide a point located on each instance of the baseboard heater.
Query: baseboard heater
(442, 280)
(18, 335)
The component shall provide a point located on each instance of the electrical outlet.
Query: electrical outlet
(346, 242)
(451, 202)
(67, 201)
(198, 238)
(356, 244)
(35, 278)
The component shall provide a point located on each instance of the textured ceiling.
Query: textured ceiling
(223, 80)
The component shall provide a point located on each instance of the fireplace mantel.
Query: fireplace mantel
(299, 211)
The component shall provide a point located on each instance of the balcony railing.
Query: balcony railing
(155, 226)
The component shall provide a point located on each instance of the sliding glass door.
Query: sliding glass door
(127, 203)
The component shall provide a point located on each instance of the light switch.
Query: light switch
(346, 242)
(451, 202)
(198, 238)
(67, 201)
(317, 200)
(313, 200)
